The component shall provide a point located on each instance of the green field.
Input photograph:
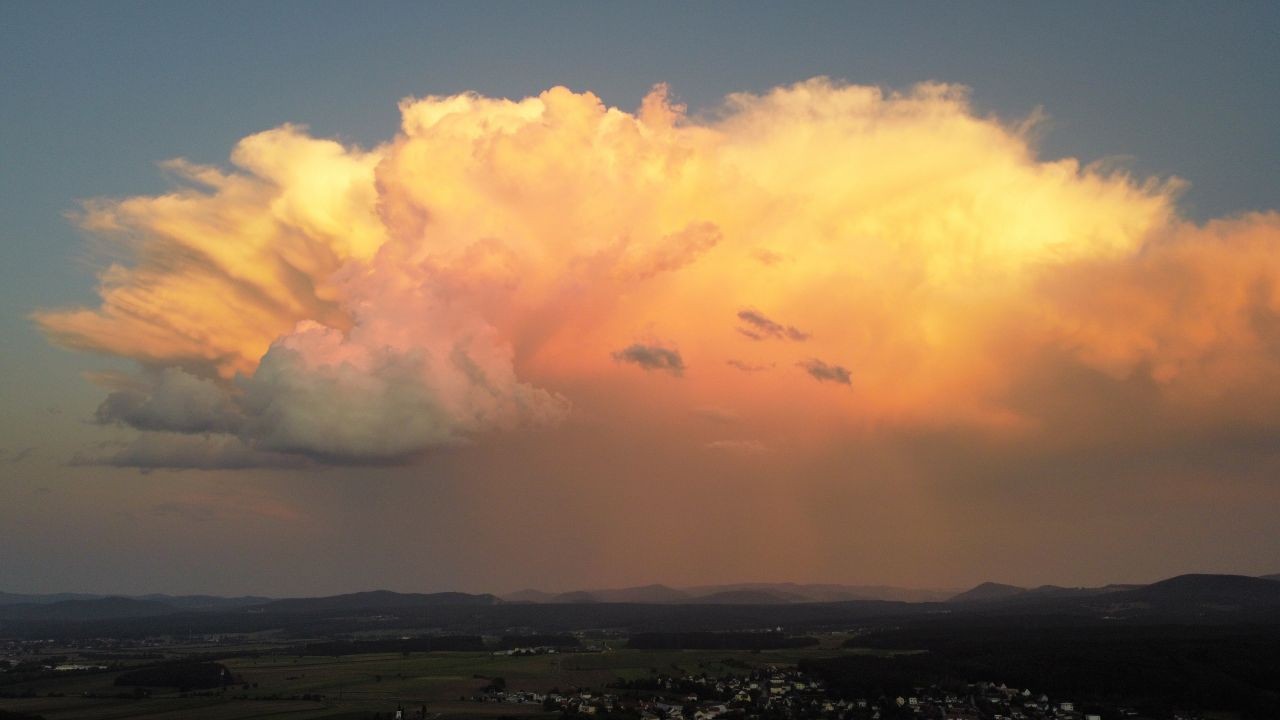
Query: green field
(356, 686)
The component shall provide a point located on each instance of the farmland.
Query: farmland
(271, 685)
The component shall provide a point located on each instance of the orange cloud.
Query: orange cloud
(498, 257)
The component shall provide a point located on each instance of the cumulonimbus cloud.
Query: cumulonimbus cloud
(350, 305)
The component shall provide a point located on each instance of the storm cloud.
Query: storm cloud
(486, 271)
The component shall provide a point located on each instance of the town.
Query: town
(778, 693)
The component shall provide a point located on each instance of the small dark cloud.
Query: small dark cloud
(748, 367)
(760, 327)
(822, 372)
(652, 357)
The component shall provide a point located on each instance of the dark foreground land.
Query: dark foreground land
(1191, 647)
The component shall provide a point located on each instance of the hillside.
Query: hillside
(1202, 593)
(575, 597)
(43, 599)
(1192, 598)
(828, 592)
(987, 592)
(767, 592)
(374, 599)
(642, 594)
(95, 609)
(206, 602)
(528, 595)
(748, 597)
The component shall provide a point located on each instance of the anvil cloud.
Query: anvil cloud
(497, 260)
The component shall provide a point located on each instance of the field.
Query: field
(357, 686)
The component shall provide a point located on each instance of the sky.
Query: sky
(306, 298)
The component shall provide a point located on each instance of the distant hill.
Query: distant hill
(646, 594)
(80, 610)
(1183, 596)
(1199, 593)
(766, 593)
(748, 597)
(1057, 591)
(1187, 599)
(1196, 598)
(1178, 598)
(528, 595)
(206, 602)
(43, 599)
(183, 602)
(642, 594)
(575, 597)
(1043, 597)
(987, 592)
(373, 600)
(817, 592)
